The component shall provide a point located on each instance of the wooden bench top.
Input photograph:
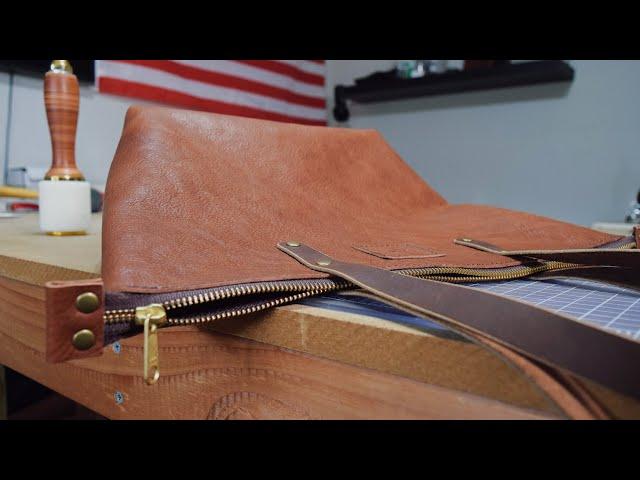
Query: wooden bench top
(307, 335)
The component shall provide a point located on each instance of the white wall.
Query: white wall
(99, 127)
(567, 151)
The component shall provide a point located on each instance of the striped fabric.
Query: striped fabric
(282, 90)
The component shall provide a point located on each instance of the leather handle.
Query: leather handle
(629, 258)
(546, 336)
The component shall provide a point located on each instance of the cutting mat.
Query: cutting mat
(605, 306)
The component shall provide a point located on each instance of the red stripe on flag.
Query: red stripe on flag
(284, 69)
(228, 81)
(149, 92)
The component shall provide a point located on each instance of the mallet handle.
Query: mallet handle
(62, 100)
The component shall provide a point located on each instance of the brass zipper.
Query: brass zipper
(156, 315)
(444, 274)
(151, 317)
(304, 287)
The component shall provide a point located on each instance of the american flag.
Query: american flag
(282, 90)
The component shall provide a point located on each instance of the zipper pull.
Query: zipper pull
(151, 317)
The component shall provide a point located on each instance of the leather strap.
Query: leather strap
(577, 404)
(552, 339)
(617, 266)
(629, 258)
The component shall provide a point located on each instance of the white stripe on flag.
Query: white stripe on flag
(248, 72)
(305, 66)
(150, 76)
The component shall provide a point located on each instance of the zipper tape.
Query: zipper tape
(620, 276)
(550, 338)
(125, 311)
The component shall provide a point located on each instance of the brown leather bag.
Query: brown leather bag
(208, 216)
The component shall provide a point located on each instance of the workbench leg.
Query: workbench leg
(3, 394)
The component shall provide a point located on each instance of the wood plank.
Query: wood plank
(354, 340)
(369, 353)
(384, 346)
(212, 375)
(33, 258)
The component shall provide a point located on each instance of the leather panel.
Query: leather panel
(191, 195)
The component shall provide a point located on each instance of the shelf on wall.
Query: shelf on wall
(385, 86)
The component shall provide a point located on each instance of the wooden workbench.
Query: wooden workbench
(292, 362)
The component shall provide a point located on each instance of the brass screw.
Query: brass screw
(323, 263)
(87, 302)
(293, 244)
(83, 339)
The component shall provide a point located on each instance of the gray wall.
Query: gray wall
(564, 151)
(569, 152)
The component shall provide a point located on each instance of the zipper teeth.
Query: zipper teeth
(119, 316)
(246, 310)
(489, 274)
(308, 288)
(314, 287)
(232, 292)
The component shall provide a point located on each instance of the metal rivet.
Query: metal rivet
(467, 240)
(83, 339)
(293, 244)
(87, 302)
(323, 263)
(118, 397)
(117, 348)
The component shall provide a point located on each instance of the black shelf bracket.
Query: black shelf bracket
(386, 86)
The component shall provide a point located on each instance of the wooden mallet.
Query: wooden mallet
(65, 196)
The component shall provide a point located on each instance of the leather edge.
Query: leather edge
(64, 320)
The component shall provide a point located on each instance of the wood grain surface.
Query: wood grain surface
(217, 376)
(28, 256)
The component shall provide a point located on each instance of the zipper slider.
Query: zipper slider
(151, 317)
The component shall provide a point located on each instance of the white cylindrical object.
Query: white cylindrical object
(64, 206)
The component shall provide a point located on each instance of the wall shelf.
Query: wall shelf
(385, 86)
